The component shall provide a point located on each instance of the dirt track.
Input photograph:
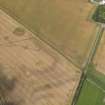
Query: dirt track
(99, 59)
(43, 76)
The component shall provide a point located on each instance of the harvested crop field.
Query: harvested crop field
(63, 24)
(99, 59)
(43, 76)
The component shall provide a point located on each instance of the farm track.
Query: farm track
(94, 47)
(85, 69)
(89, 60)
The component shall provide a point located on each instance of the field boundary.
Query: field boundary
(48, 42)
(36, 34)
(88, 77)
(90, 58)
(79, 88)
(85, 69)
(94, 47)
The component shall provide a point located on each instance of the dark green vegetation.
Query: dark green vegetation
(99, 15)
(60, 23)
(93, 89)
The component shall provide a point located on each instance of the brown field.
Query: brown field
(99, 59)
(43, 76)
(63, 24)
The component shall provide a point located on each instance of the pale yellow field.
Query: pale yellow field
(64, 24)
(99, 59)
(43, 76)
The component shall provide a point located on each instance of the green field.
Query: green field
(63, 24)
(91, 95)
(93, 90)
(99, 15)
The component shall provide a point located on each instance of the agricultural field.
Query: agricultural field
(43, 77)
(93, 90)
(63, 24)
(99, 59)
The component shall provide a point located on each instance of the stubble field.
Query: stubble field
(63, 24)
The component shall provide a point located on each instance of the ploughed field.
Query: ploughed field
(43, 76)
(63, 24)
